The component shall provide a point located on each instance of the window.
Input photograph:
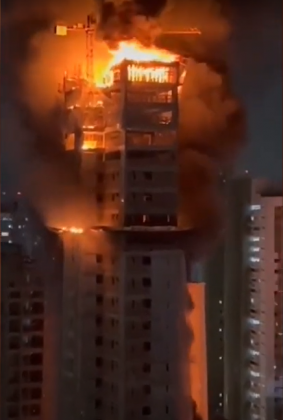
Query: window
(33, 359)
(98, 382)
(14, 309)
(147, 389)
(13, 396)
(35, 393)
(14, 326)
(15, 295)
(36, 341)
(99, 299)
(26, 410)
(146, 325)
(36, 359)
(98, 320)
(99, 341)
(13, 412)
(98, 403)
(14, 343)
(148, 175)
(99, 362)
(147, 346)
(99, 278)
(99, 198)
(146, 411)
(146, 368)
(36, 294)
(14, 360)
(146, 281)
(146, 303)
(35, 410)
(147, 197)
(146, 260)
(25, 393)
(36, 308)
(36, 376)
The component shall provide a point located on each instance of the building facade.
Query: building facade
(243, 294)
(263, 330)
(29, 321)
(125, 274)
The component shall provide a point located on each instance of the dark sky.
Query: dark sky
(256, 58)
(256, 64)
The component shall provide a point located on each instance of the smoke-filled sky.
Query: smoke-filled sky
(256, 65)
(31, 66)
(256, 58)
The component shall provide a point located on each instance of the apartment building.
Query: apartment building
(124, 293)
(245, 269)
(29, 317)
(263, 331)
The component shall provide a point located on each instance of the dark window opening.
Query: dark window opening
(146, 260)
(147, 175)
(146, 411)
(99, 278)
(147, 346)
(146, 368)
(146, 281)
(146, 303)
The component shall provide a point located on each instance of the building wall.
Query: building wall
(264, 261)
(197, 355)
(123, 328)
(22, 336)
(30, 286)
(229, 282)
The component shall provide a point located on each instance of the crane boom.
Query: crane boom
(190, 31)
(89, 28)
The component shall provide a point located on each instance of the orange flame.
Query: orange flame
(74, 230)
(136, 52)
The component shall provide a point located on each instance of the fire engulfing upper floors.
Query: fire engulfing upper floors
(125, 136)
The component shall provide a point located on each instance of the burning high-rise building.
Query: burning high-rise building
(125, 335)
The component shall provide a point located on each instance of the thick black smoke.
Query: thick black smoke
(32, 65)
(33, 61)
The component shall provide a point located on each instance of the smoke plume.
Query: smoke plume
(33, 61)
(32, 65)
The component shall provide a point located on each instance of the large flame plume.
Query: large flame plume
(134, 52)
(211, 121)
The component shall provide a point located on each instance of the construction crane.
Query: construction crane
(190, 31)
(90, 29)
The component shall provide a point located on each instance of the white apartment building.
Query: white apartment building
(244, 305)
(264, 353)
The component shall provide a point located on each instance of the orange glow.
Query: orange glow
(148, 74)
(74, 230)
(89, 145)
(197, 357)
(136, 52)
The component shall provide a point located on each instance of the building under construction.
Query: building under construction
(125, 333)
